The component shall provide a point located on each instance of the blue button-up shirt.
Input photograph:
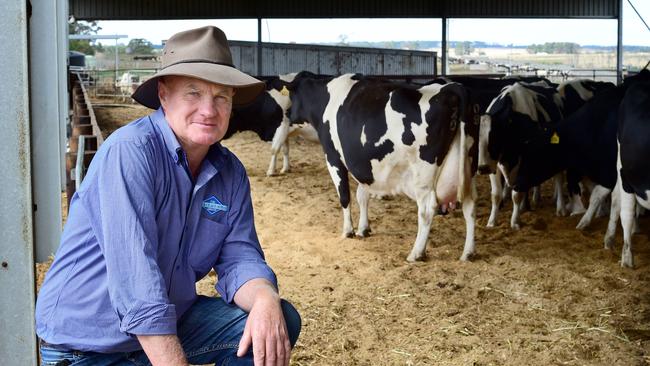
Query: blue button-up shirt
(140, 233)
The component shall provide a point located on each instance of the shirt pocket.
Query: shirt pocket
(207, 244)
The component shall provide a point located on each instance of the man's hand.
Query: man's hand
(163, 350)
(265, 328)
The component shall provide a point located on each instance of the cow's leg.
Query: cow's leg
(517, 200)
(628, 213)
(537, 197)
(603, 210)
(426, 209)
(339, 174)
(279, 142)
(636, 229)
(576, 207)
(614, 212)
(560, 210)
(271, 170)
(598, 195)
(285, 158)
(363, 197)
(505, 192)
(496, 191)
(469, 212)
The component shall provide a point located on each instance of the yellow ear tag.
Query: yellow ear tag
(284, 91)
(555, 139)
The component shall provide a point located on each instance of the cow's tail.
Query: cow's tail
(464, 176)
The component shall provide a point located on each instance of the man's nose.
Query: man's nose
(208, 107)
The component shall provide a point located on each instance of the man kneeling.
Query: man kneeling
(161, 205)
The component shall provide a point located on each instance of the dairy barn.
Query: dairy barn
(444, 283)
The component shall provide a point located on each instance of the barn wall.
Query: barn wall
(282, 58)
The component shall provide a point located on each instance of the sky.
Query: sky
(503, 31)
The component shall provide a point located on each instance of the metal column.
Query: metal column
(44, 89)
(64, 117)
(443, 47)
(17, 338)
(619, 45)
(259, 46)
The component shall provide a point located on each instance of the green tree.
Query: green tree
(139, 46)
(412, 45)
(555, 47)
(464, 48)
(83, 28)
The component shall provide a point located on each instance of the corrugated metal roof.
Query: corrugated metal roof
(220, 9)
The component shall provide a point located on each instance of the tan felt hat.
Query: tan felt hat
(201, 53)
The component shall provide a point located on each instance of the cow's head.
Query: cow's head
(492, 133)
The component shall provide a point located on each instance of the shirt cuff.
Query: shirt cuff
(238, 275)
(150, 319)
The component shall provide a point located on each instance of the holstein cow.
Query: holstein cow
(482, 92)
(519, 135)
(633, 185)
(394, 138)
(267, 117)
(583, 144)
(517, 114)
(575, 93)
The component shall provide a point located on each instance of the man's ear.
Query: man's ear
(162, 91)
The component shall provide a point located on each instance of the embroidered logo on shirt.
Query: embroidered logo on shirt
(212, 205)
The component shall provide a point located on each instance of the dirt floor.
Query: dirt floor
(545, 295)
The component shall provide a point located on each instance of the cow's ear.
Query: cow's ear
(276, 84)
(291, 86)
(502, 108)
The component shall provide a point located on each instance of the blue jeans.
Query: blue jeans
(209, 333)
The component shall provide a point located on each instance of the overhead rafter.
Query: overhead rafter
(220, 9)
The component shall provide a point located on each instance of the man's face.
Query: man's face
(197, 111)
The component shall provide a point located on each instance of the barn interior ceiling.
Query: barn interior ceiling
(220, 9)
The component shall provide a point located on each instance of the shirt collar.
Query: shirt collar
(215, 155)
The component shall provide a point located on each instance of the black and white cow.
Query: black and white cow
(267, 117)
(520, 112)
(394, 138)
(633, 185)
(575, 93)
(521, 104)
(482, 92)
(583, 145)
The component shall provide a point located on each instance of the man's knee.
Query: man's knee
(294, 323)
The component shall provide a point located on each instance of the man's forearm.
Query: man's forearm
(163, 350)
(255, 289)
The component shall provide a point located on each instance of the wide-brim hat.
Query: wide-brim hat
(201, 53)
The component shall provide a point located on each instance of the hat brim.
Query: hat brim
(247, 88)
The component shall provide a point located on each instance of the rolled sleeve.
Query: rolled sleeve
(150, 319)
(241, 258)
(239, 274)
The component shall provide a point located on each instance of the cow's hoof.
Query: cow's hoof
(285, 171)
(561, 212)
(490, 224)
(515, 226)
(609, 242)
(415, 257)
(627, 261)
(270, 174)
(466, 257)
(364, 233)
(582, 225)
(578, 212)
(348, 235)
